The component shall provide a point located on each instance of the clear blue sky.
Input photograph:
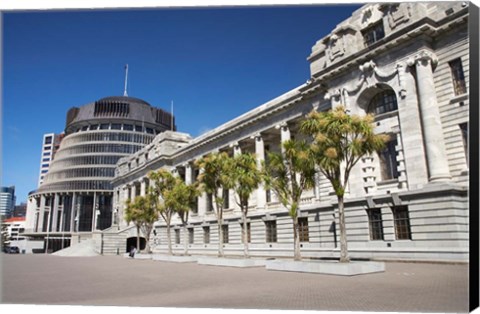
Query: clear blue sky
(215, 64)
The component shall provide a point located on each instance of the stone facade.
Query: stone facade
(408, 63)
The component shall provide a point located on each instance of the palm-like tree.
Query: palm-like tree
(214, 179)
(182, 199)
(163, 191)
(339, 142)
(142, 212)
(289, 174)
(245, 177)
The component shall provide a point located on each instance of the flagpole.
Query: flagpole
(126, 79)
(171, 115)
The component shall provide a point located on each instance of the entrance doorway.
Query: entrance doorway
(132, 241)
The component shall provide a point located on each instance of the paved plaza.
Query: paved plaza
(114, 280)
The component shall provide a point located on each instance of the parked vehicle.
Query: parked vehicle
(11, 250)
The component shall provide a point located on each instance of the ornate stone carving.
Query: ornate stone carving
(423, 57)
(398, 13)
(336, 46)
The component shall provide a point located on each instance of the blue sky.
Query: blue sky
(215, 64)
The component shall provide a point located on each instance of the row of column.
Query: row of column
(139, 187)
(53, 218)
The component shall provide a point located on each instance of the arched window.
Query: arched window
(384, 101)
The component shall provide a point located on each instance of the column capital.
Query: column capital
(424, 57)
(283, 126)
(256, 136)
(234, 145)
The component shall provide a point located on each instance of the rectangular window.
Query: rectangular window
(138, 128)
(271, 231)
(303, 229)
(177, 236)
(402, 223)
(149, 130)
(116, 126)
(225, 233)
(226, 199)
(206, 235)
(48, 140)
(458, 77)
(375, 224)
(464, 130)
(249, 234)
(209, 202)
(46, 154)
(128, 127)
(190, 235)
(94, 127)
(373, 33)
(195, 206)
(104, 126)
(388, 161)
(46, 159)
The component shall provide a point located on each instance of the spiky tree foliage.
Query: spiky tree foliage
(182, 199)
(340, 140)
(289, 174)
(143, 213)
(214, 179)
(245, 177)
(163, 191)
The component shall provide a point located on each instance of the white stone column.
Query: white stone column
(94, 214)
(188, 173)
(260, 154)
(434, 142)
(143, 187)
(42, 213)
(73, 212)
(54, 211)
(133, 191)
(237, 150)
(202, 201)
(284, 134)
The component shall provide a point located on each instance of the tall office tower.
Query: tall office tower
(50, 144)
(76, 193)
(7, 200)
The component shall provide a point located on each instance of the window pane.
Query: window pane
(458, 77)
(303, 229)
(375, 224)
(402, 223)
(206, 235)
(271, 231)
(225, 233)
(388, 161)
(383, 102)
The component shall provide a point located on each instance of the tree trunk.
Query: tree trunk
(138, 239)
(147, 240)
(185, 235)
(245, 234)
(296, 241)
(169, 240)
(343, 232)
(220, 238)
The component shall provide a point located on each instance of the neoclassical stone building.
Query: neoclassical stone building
(408, 63)
(76, 196)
